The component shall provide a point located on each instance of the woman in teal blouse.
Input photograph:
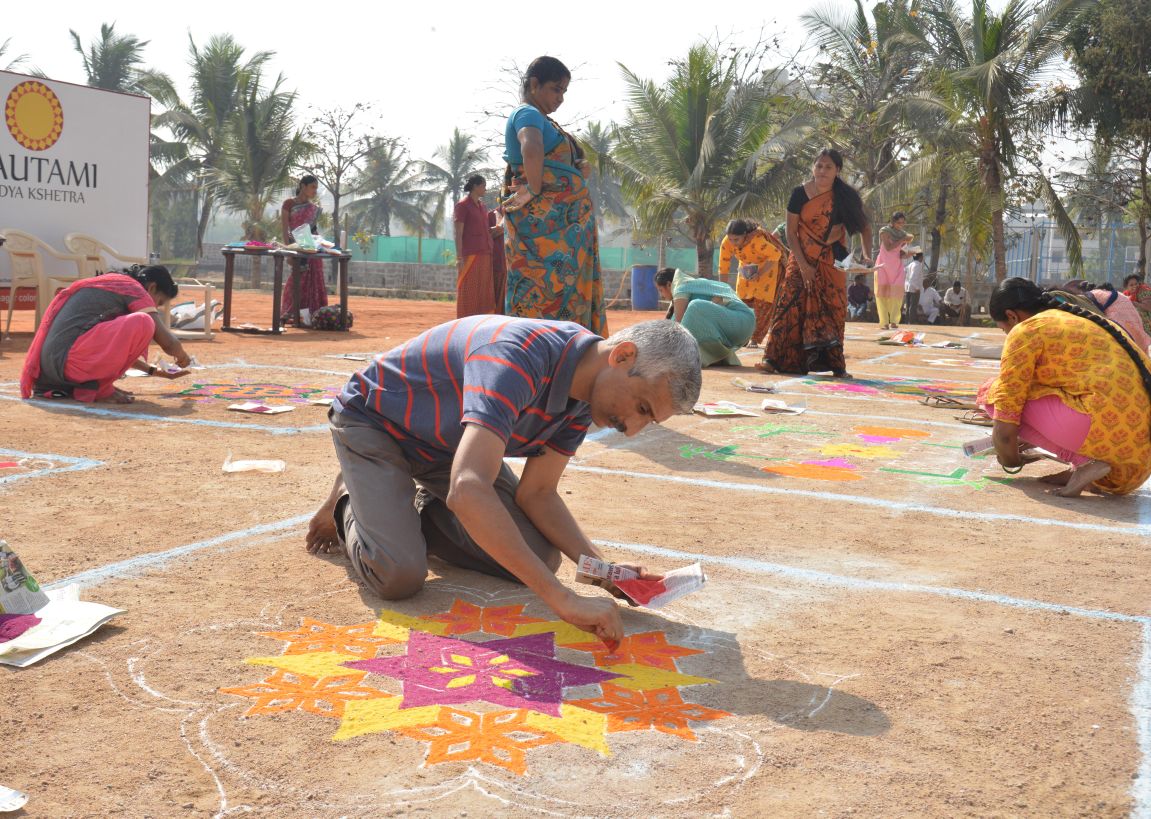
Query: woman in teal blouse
(711, 311)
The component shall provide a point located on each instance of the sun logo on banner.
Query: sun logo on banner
(34, 115)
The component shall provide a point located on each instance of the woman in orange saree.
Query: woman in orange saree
(811, 306)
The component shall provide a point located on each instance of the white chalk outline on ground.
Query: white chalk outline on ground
(71, 465)
(1140, 702)
(240, 364)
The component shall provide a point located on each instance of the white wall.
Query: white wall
(92, 179)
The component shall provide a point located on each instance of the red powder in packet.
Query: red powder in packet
(641, 591)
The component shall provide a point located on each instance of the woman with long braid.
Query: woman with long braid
(1073, 383)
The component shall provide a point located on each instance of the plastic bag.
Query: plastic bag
(304, 238)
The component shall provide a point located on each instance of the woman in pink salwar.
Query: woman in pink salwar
(889, 273)
(298, 210)
(95, 330)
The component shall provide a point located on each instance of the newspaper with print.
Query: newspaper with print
(653, 594)
(34, 623)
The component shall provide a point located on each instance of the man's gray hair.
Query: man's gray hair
(664, 349)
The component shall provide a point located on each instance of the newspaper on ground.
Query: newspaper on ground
(260, 409)
(779, 406)
(321, 402)
(253, 465)
(714, 409)
(751, 386)
(11, 800)
(651, 593)
(973, 448)
(63, 617)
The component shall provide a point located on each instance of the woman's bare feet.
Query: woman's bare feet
(117, 396)
(323, 536)
(1081, 478)
(763, 366)
(1059, 478)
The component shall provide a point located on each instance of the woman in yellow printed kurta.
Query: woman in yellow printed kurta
(760, 256)
(1073, 383)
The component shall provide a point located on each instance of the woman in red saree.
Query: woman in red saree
(95, 330)
(298, 210)
(811, 306)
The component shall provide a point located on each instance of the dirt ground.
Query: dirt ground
(889, 628)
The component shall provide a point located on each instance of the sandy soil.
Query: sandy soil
(890, 629)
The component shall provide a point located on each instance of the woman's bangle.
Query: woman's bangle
(1011, 470)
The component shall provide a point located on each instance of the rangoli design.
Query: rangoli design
(255, 391)
(902, 387)
(440, 680)
(843, 461)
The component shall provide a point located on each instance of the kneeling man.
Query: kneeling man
(422, 432)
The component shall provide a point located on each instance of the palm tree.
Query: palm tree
(867, 67)
(990, 67)
(16, 60)
(112, 61)
(263, 146)
(598, 141)
(392, 186)
(704, 146)
(219, 73)
(458, 160)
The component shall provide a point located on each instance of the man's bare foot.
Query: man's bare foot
(1081, 478)
(1059, 478)
(323, 536)
(117, 396)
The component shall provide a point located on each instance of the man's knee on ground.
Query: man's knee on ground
(396, 585)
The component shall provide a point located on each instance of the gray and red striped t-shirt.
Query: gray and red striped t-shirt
(509, 375)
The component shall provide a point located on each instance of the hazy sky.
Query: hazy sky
(427, 67)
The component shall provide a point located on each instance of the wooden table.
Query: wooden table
(339, 262)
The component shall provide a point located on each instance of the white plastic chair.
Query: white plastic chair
(92, 253)
(25, 251)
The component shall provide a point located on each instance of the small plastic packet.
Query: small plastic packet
(253, 465)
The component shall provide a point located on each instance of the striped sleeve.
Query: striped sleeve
(500, 382)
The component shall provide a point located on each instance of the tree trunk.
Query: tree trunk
(940, 218)
(1000, 243)
(1144, 207)
(703, 254)
(202, 225)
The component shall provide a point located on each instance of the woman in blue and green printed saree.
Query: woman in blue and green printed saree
(551, 243)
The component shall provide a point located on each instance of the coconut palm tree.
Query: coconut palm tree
(392, 186)
(991, 66)
(263, 146)
(113, 60)
(219, 71)
(704, 146)
(598, 141)
(457, 160)
(15, 60)
(865, 73)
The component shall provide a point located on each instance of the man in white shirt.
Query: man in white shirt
(912, 285)
(955, 304)
(929, 301)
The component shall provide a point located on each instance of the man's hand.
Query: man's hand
(599, 616)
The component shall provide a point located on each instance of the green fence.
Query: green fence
(410, 250)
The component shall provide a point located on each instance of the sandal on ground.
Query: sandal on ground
(976, 417)
(946, 402)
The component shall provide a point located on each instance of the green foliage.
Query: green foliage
(706, 145)
(113, 60)
(391, 186)
(446, 176)
(263, 145)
